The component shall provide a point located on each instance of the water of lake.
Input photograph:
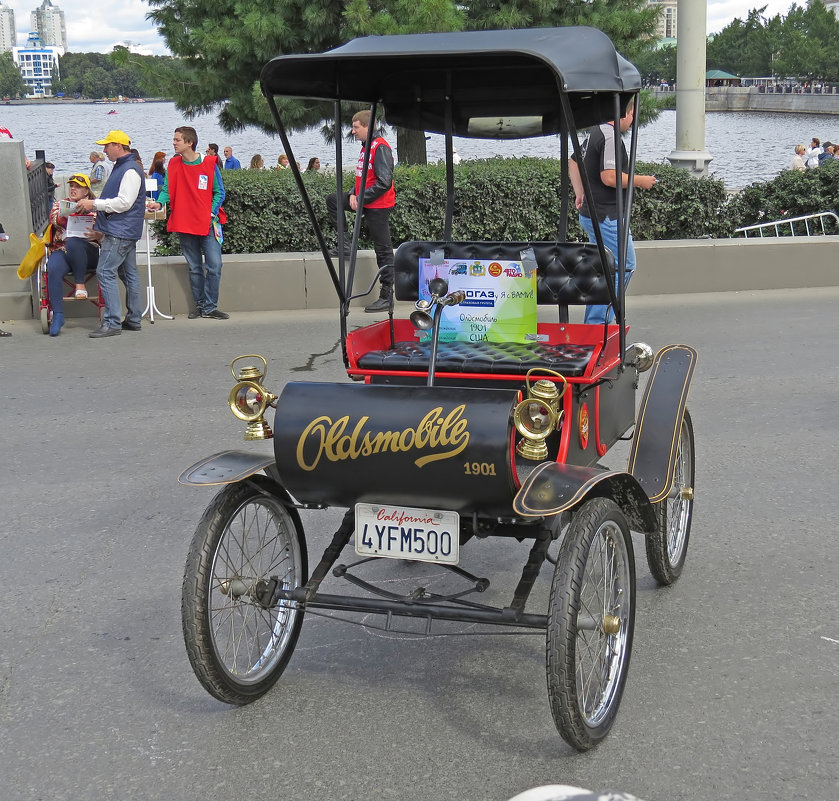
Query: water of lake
(746, 147)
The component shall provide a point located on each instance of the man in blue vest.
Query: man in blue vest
(120, 211)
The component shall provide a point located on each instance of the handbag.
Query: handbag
(37, 251)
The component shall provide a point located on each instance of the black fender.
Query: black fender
(225, 467)
(552, 488)
(652, 459)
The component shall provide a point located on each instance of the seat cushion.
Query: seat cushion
(481, 357)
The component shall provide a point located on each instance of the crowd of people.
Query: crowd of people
(96, 227)
(809, 158)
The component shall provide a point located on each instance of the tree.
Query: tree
(11, 84)
(803, 44)
(657, 65)
(223, 50)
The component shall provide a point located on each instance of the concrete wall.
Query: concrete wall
(280, 281)
(733, 265)
(747, 98)
(15, 213)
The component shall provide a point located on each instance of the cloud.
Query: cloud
(112, 22)
(722, 12)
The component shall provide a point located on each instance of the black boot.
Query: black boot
(383, 303)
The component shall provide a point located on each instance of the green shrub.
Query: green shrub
(792, 194)
(495, 199)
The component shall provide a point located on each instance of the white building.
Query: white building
(832, 5)
(38, 65)
(667, 18)
(48, 21)
(8, 35)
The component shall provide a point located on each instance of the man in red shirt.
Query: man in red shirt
(379, 200)
(195, 192)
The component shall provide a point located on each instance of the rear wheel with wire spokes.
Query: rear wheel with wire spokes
(667, 547)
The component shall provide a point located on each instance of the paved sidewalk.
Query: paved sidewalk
(731, 692)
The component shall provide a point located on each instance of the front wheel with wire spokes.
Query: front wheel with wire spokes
(591, 620)
(667, 547)
(247, 545)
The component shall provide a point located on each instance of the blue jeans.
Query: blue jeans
(204, 273)
(609, 232)
(118, 257)
(80, 258)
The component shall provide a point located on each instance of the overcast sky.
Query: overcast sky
(97, 27)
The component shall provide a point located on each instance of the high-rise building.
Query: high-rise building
(48, 21)
(8, 35)
(38, 65)
(666, 18)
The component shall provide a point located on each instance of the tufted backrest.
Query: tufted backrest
(568, 273)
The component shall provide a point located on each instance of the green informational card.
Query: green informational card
(500, 304)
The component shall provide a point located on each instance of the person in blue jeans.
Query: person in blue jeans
(194, 191)
(599, 164)
(69, 254)
(120, 210)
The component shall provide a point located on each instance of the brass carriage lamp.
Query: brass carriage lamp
(248, 399)
(538, 415)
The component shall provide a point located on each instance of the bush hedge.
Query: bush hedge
(506, 199)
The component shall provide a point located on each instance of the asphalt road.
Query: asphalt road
(734, 681)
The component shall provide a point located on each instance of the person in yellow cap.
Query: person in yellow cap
(120, 210)
(69, 254)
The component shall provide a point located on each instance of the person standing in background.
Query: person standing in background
(100, 170)
(599, 164)
(813, 152)
(797, 162)
(195, 192)
(379, 200)
(231, 163)
(212, 153)
(120, 212)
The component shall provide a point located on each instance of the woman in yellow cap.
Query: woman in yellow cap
(78, 255)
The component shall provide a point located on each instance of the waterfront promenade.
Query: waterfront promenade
(97, 699)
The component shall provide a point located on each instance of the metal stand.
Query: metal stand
(151, 306)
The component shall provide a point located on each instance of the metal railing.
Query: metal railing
(805, 219)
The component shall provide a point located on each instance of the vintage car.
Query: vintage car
(438, 440)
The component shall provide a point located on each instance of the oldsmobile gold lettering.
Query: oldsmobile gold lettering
(446, 448)
(445, 436)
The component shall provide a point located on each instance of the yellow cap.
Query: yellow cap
(118, 137)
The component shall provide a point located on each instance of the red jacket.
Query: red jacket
(191, 196)
(387, 199)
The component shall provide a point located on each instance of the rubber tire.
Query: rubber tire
(666, 563)
(46, 319)
(203, 600)
(597, 520)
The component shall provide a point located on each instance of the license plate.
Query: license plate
(403, 532)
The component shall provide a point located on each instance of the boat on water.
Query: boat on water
(113, 111)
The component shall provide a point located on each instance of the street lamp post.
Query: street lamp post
(690, 153)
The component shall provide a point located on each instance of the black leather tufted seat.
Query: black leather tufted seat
(511, 358)
(568, 273)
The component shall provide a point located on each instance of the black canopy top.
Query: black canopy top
(502, 84)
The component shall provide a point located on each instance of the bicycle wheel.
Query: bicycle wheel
(667, 547)
(591, 620)
(247, 544)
